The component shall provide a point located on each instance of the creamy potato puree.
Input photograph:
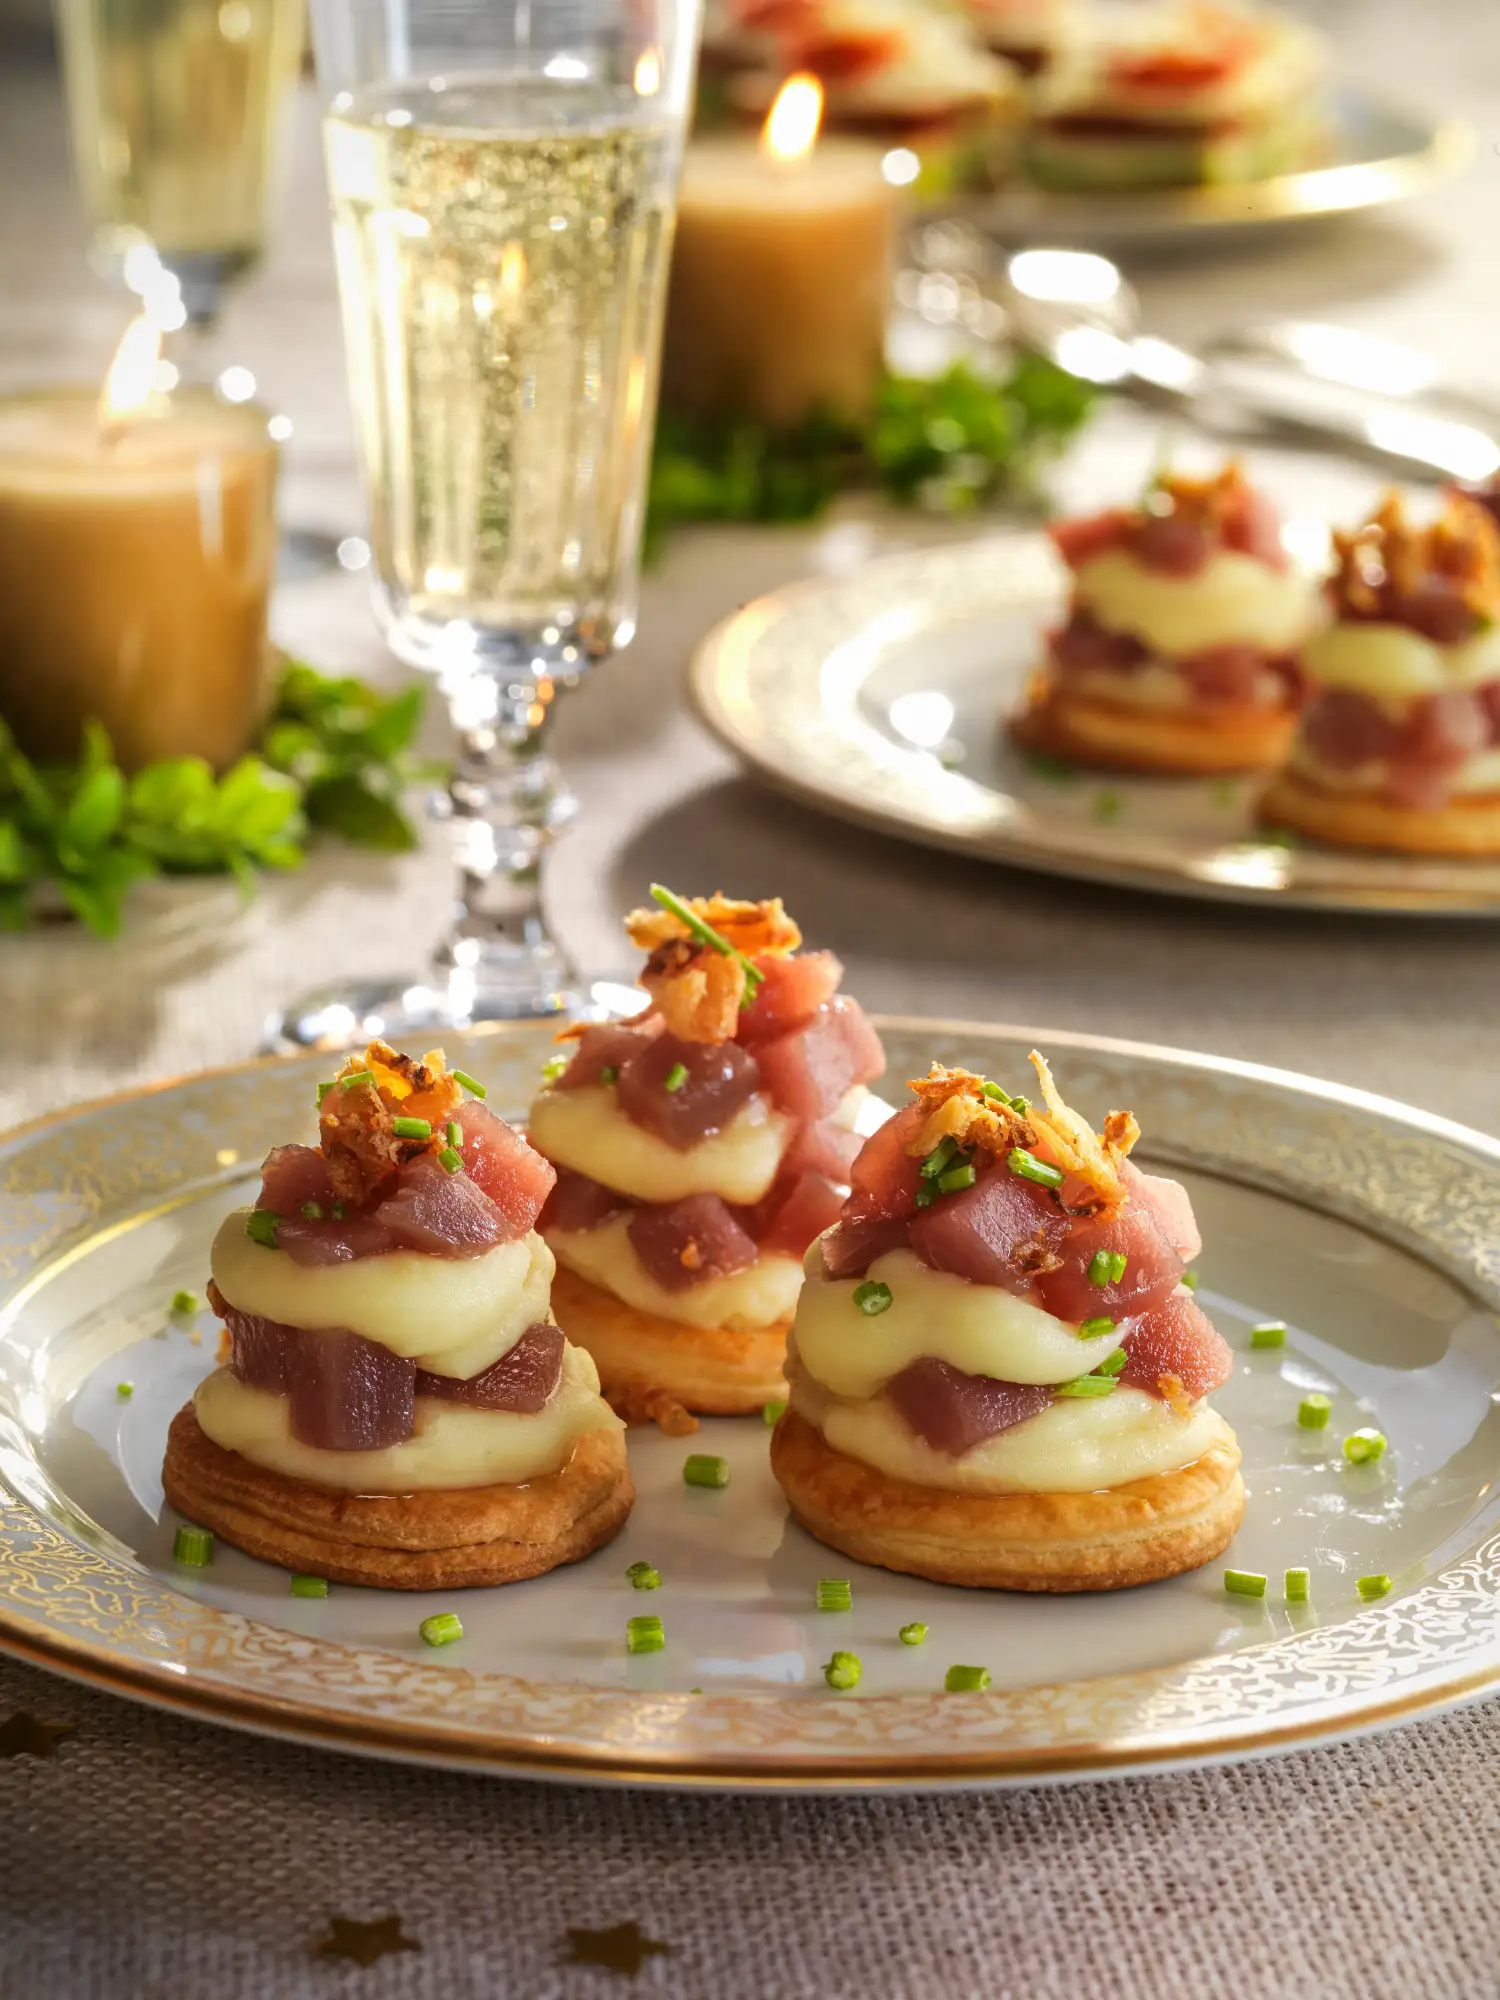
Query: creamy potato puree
(587, 1131)
(764, 1295)
(452, 1446)
(1160, 688)
(455, 1315)
(1233, 600)
(1070, 1447)
(978, 1328)
(1377, 659)
(1480, 774)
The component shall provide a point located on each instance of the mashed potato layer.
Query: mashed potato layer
(1070, 1447)
(455, 1315)
(1379, 660)
(452, 1446)
(1233, 600)
(764, 1295)
(587, 1131)
(978, 1328)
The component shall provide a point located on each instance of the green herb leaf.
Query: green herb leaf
(347, 805)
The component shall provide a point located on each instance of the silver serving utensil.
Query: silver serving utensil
(1080, 311)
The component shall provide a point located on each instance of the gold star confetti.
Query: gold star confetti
(363, 1943)
(22, 1735)
(625, 1948)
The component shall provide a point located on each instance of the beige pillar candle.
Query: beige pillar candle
(136, 560)
(780, 273)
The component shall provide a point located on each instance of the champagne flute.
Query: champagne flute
(503, 181)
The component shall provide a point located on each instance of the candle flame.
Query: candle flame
(132, 373)
(791, 128)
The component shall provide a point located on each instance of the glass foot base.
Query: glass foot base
(405, 1010)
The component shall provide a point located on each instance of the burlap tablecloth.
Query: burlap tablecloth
(150, 1857)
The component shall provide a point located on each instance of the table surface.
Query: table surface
(150, 1857)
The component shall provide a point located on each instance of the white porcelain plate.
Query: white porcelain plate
(880, 696)
(1380, 153)
(1372, 1231)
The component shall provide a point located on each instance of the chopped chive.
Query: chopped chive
(1030, 1168)
(966, 1680)
(610, 1073)
(1090, 1329)
(554, 1067)
(450, 1159)
(645, 1635)
(260, 1227)
(957, 1177)
(339, 1210)
(1113, 1364)
(925, 1195)
(1020, 1104)
(675, 1078)
(312, 1211)
(1190, 1279)
(1313, 1412)
(914, 1634)
(1270, 1333)
(1244, 1583)
(1101, 1268)
(309, 1586)
(1086, 1385)
(455, 1133)
(705, 933)
(193, 1548)
(474, 1089)
(1363, 1447)
(834, 1594)
(124, 1390)
(411, 1128)
(701, 1468)
(323, 1090)
(1118, 1265)
(1298, 1586)
(1371, 1587)
(637, 1569)
(185, 1302)
(441, 1629)
(644, 1577)
(938, 1158)
(772, 1413)
(994, 1093)
(360, 1076)
(843, 1671)
(872, 1297)
(1107, 806)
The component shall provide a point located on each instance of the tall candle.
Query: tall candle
(136, 560)
(778, 295)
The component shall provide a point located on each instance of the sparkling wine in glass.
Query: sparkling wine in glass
(503, 183)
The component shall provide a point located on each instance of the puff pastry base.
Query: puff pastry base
(651, 1369)
(429, 1540)
(1152, 1528)
(1355, 819)
(1197, 742)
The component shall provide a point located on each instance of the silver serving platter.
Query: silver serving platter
(880, 695)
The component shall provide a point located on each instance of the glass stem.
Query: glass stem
(506, 803)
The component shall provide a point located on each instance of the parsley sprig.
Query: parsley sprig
(78, 837)
(950, 443)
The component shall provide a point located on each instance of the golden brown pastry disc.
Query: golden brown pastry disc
(1154, 1527)
(1197, 742)
(429, 1540)
(1354, 819)
(648, 1364)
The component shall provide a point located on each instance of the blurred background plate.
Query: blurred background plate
(1382, 153)
(879, 696)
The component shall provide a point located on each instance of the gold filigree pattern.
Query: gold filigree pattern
(72, 1597)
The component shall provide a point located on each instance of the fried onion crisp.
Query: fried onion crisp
(1387, 558)
(749, 927)
(696, 989)
(355, 1126)
(1074, 1145)
(1173, 1393)
(958, 1109)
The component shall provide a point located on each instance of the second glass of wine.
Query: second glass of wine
(503, 179)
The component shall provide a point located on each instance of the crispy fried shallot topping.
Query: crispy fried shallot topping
(697, 990)
(1382, 564)
(958, 1108)
(356, 1126)
(1208, 503)
(1173, 1393)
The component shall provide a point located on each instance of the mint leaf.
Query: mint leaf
(348, 806)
